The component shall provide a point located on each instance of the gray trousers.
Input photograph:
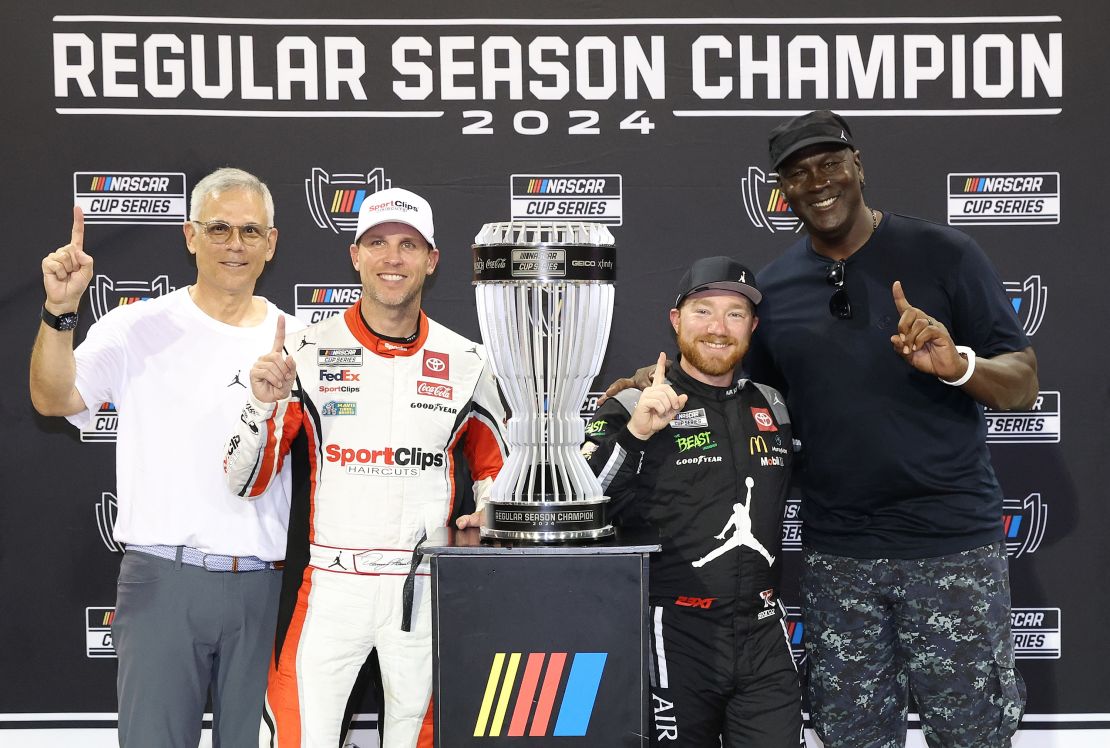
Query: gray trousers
(180, 630)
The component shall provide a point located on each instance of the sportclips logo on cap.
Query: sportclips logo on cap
(582, 197)
(537, 687)
(334, 199)
(764, 203)
(130, 196)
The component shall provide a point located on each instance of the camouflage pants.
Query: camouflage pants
(876, 629)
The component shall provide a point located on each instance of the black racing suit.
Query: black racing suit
(715, 483)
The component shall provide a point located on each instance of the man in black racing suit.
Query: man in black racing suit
(706, 459)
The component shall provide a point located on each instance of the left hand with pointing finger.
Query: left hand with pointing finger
(923, 342)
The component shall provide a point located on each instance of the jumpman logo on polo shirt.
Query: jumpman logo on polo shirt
(236, 380)
(305, 342)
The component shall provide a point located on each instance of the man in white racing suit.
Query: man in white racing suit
(380, 397)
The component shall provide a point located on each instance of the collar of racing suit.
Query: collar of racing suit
(687, 383)
(379, 345)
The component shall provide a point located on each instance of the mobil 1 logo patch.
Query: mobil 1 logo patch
(579, 197)
(1039, 424)
(1037, 633)
(130, 196)
(1004, 199)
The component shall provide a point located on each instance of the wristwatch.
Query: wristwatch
(62, 322)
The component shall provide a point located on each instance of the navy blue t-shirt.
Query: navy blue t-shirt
(894, 463)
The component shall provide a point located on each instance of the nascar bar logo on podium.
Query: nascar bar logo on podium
(545, 304)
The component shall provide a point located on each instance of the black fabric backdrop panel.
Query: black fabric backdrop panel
(660, 123)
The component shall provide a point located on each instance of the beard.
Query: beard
(715, 366)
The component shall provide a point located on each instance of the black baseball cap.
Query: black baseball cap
(821, 126)
(722, 273)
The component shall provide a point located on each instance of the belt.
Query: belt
(207, 561)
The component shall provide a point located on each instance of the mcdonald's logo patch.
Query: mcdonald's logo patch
(757, 444)
(545, 697)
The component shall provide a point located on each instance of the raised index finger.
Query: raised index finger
(660, 372)
(279, 336)
(900, 302)
(77, 233)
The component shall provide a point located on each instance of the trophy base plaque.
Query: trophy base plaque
(546, 521)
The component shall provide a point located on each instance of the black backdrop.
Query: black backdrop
(663, 118)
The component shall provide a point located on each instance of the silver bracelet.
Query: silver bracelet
(970, 354)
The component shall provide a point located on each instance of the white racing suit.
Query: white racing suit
(376, 425)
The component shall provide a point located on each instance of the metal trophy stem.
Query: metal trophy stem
(545, 304)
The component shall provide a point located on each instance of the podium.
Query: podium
(540, 645)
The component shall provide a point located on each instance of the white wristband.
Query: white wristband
(965, 350)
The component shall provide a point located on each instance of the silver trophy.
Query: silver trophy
(545, 304)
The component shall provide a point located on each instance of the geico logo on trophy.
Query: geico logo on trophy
(430, 389)
(343, 375)
(403, 456)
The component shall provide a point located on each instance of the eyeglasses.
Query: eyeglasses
(839, 305)
(219, 232)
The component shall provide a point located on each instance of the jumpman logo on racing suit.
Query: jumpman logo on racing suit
(236, 380)
(741, 520)
(305, 342)
(338, 563)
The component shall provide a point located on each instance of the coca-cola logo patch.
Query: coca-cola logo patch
(435, 389)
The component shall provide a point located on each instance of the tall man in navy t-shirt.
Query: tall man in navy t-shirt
(887, 334)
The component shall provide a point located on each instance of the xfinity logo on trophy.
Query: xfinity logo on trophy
(334, 199)
(106, 294)
(104, 423)
(1005, 198)
(1039, 424)
(764, 203)
(313, 302)
(1037, 633)
(130, 196)
(1024, 522)
(106, 510)
(1029, 298)
(98, 632)
(577, 197)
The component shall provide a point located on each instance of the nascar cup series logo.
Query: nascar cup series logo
(795, 634)
(98, 632)
(313, 302)
(1040, 424)
(1024, 522)
(106, 294)
(106, 510)
(130, 196)
(575, 197)
(1029, 298)
(1037, 633)
(792, 526)
(1004, 199)
(104, 424)
(765, 205)
(334, 199)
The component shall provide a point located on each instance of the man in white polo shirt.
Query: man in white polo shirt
(198, 587)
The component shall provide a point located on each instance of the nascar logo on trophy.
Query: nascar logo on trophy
(545, 305)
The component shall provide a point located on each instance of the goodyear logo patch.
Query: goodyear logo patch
(98, 632)
(580, 197)
(550, 698)
(1004, 198)
(1039, 424)
(314, 302)
(124, 197)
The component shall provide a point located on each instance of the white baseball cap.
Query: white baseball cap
(396, 204)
